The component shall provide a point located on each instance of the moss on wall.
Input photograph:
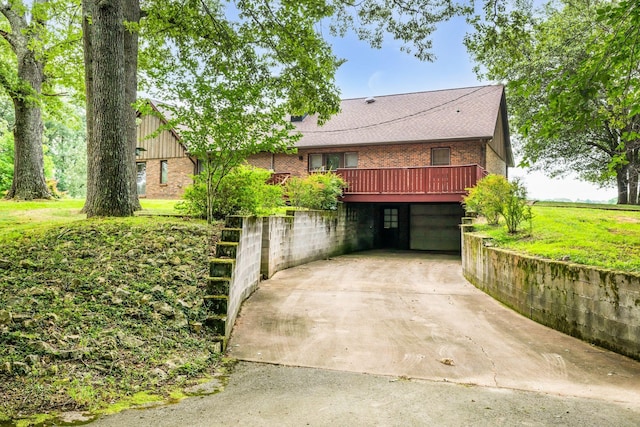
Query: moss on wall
(599, 306)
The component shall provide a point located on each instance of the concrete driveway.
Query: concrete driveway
(411, 314)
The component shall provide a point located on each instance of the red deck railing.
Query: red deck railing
(278, 178)
(414, 184)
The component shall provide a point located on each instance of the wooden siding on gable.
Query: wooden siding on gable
(163, 146)
(498, 141)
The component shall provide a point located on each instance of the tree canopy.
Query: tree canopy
(571, 71)
(232, 71)
(36, 60)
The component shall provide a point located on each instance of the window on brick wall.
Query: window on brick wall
(141, 178)
(350, 160)
(332, 161)
(164, 172)
(440, 156)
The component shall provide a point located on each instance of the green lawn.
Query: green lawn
(16, 217)
(602, 236)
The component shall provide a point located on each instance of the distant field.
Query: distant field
(599, 235)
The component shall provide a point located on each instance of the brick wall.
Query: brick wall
(377, 156)
(180, 171)
(494, 163)
(598, 306)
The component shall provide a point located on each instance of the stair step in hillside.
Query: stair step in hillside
(226, 250)
(231, 234)
(217, 323)
(221, 267)
(233, 221)
(216, 304)
(218, 285)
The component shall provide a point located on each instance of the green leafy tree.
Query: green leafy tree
(494, 197)
(232, 84)
(38, 39)
(6, 144)
(571, 98)
(6, 159)
(110, 51)
(66, 142)
(411, 22)
(488, 197)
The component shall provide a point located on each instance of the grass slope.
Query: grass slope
(96, 311)
(608, 238)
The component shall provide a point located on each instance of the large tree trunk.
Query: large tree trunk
(132, 14)
(622, 179)
(87, 12)
(28, 163)
(28, 172)
(634, 170)
(109, 180)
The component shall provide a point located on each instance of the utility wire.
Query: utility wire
(397, 118)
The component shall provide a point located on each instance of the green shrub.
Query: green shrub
(316, 191)
(488, 197)
(194, 201)
(242, 191)
(494, 197)
(516, 210)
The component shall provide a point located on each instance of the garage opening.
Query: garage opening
(435, 226)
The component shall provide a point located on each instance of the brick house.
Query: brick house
(163, 165)
(407, 159)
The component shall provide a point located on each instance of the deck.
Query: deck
(411, 185)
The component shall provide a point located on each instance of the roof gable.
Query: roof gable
(453, 114)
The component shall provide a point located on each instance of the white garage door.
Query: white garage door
(435, 227)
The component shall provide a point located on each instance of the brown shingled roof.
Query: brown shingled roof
(421, 116)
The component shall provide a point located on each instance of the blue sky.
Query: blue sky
(372, 72)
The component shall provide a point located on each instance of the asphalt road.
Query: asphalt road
(272, 395)
(381, 338)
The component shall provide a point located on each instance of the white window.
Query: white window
(141, 179)
(350, 160)
(316, 162)
(332, 161)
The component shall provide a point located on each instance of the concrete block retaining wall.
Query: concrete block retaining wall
(246, 272)
(304, 236)
(598, 306)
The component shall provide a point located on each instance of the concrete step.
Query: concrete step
(218, 285)
(230, 234)
(216, 304)
(233, 221)
(226, 249)
(221, 267)
(217, 323)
